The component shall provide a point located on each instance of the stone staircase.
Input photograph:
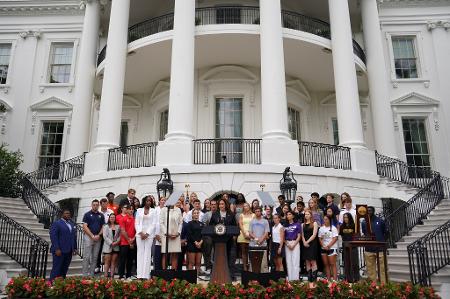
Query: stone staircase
(16, 209)
(398, 261)
(69, 189)
(393, 189)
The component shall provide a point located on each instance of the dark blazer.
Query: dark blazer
(62, 238)
(230, 219)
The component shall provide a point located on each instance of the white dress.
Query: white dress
(175, 226)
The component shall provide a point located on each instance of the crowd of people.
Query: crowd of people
(134, 237)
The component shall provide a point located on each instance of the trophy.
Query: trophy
(363, 215)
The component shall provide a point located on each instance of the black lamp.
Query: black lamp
(164, 186)
(288, 185)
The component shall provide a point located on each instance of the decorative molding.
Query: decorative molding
(83, 3)
(436, 119)
(30, 33)
(33, 7)
(161, 89)
(330, 100)
(69, 122)
(5, 88)
(52, 103)
(408, 3)
(395, 118)
(414, 99)
(3, 120)
(298, 87)
(438, 24)
(33, 122)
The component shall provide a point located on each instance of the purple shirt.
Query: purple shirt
(292, 230)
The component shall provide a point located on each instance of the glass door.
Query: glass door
(229, 130)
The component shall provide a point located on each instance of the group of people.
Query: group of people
(137, 236)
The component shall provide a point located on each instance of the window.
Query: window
(5, 55)
(405, 57)
(229, 125)
(51, 143)
(60, 62)
(294, 123)
(228, 15)
(163, 124)
(123, 134)
(416, 145)
(334, 124)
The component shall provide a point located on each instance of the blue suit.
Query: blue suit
(63, 239)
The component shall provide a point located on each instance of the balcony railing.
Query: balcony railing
(232, 15)
(429, 254)
(230, 150)
(22, 245)
(133, 156)
(324, 155)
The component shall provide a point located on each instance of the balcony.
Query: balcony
(227, 150)
(232, 15)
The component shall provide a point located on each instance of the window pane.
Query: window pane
(228, 125)
(163, 124)
(405, 58)
(334, 123)
(5, 55)
(416, 145)
(51, 145)
(60, 62)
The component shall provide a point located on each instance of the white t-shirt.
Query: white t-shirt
(106, 214)
(327, 235)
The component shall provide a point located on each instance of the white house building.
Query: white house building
(226, 94)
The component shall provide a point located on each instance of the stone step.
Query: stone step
(23, 216)
(14, 208)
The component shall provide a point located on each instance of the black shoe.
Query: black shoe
(310, 276)
(314, 274)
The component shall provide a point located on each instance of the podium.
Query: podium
(220, 234)
(382, 246)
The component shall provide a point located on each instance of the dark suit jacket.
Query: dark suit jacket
(230, 219)
(62, 238)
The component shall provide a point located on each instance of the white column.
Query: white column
(275, 133)
(84, 83)
(440, 33)
(177, 148)
(346, 85)
(273, 78)
(114, 77)
(378, 85)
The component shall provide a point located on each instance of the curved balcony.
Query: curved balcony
(232, 15)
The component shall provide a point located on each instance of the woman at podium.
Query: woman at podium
(224, 216)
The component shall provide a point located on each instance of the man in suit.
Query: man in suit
(130, 198)
(63, 235)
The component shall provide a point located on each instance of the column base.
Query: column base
(96, 161)
(363, 160)
(174, 152)
(279, 152)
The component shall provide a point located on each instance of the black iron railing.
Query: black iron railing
(44, 178)
(324, 155)
(227, 150)
(429, 254)
(400, 171)
(403, 219)
(45, 210)
(232, 15)
(133, 156)
(22, 245)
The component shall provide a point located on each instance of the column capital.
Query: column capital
(84, 3)
(438, 24)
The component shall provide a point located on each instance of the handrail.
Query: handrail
(44, 178)
(227, 150)
(24, 246)
(324, 155)
(132, 156)
(45, 210)
(232, 15)
(429, 254)
(402, 220)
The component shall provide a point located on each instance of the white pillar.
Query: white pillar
(346, 85)
(378, 85)
(275, 133)
(440, 33)
(114, 77)
(84, 83)
(177, 148)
